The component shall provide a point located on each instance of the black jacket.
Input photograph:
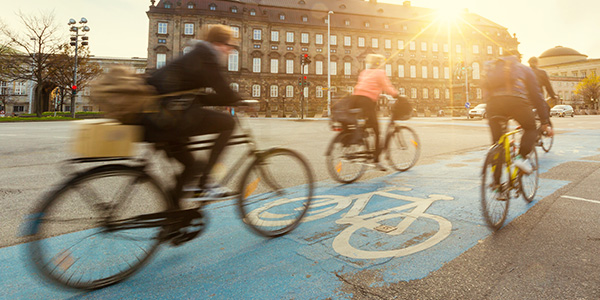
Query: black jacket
(543, 81)
(198, 68)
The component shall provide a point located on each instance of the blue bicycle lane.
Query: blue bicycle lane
(230, 262)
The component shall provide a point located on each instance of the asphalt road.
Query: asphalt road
(547, 251)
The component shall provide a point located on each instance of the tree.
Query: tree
(62, 65)
(33, 48)
(589, 90)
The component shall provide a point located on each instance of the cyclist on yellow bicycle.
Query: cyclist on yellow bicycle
(201, 67)
(510, 89)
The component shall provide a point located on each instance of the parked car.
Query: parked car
(478, 111)
(562, 111)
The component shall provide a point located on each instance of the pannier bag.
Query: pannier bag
(401, 109)
(340, 111)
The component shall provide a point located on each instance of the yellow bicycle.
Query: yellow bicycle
(501, 180)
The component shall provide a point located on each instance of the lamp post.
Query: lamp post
(75, 42)
(329, 63)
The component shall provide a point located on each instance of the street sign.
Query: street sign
(1, 114)
(467, 105)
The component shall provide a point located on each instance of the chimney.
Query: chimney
(406, 3)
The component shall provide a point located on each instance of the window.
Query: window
(305, 92)
(333, 68)
(304, 38)
(423, 46)
(162, 41)
(458, 49)
(274, 65)
(319, 92)
(289, 66)
(388, 70)
(490, 50)
(257, 35)
(413, 71)
(412, 46)
(475, 67)
(255, 90)
(235, 87)
(212, 6)
(162, 28)
(305, 69)
(334, 40)
(21, 108)
(289, 37)
(387, 43)
(400, 45)
(367, 24)
(161, 60)
(190, 5)
(402, 92)
(289, 91)
(424, 71)
(475, 49)
(304, 19)
(413, 93)
(347, 40)
(436, 93)
(447, 93)
(386, 26)
(281, 17)
(234, 9)
(256, 65)
(188, 29)
(253, 12)
(361, 41)
(274, 91)
(319, 67)
(168, 5)
(319, 39)
(401, 71)
(274, 36)
(436, 72)
(478, 93)
(375, 42)
(236, 31)
(19, 88)
(446, 72)
(434, 47)
(88, 108)
(347, 68)
(347, 22)
(446, 48)
(425, 93)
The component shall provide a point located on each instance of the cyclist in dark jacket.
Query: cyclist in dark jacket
(181, 118)
(510, 89)
(543, 81)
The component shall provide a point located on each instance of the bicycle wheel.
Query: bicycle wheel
(494, 185)
(402, 147)
(73, 243)
(346, 159)
(528, 183)
(546, 142)
(275, 192)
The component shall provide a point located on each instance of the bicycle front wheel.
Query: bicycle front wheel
(495, 195)
(546, 142)
(74, 241)
(528, 183)
(402, 147)
(347, 157)
(275, 192)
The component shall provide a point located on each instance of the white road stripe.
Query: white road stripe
(581, 199)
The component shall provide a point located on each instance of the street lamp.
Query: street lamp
(75, 42)
(329, 63)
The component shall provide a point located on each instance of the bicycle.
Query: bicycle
(102, 224)
(351, 151)
(502, 181)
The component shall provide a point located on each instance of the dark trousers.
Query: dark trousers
(368, 107)
(194, 121)
(519, 109)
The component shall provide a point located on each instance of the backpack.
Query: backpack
(124, 95)
(498, 74)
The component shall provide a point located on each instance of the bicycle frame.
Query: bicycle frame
(506, 141)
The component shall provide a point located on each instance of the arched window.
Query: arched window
(233, 61)
(212, 6)
(256, 90)
(168, 4)
(274, 91)
(234, 86)
(234, 9)
(190, 5)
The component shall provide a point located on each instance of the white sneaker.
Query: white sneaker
(523, 164)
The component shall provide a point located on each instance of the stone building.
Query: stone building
(566, 67)
(423, 50)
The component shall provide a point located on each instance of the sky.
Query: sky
(119, 28)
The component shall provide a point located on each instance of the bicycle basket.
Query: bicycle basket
(401, 109)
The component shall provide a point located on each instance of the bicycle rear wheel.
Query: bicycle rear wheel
(74, 240)
(546, 142)
(402, 147)
(495, 196)
(346, 159)
(528, 183)
(275, 192)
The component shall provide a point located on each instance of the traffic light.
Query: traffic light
(305, 81)
(74, 89)
(300, 81)
(302, 60)
(306, 59)
(73, 41)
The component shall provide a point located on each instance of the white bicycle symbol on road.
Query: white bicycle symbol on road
(378, 221)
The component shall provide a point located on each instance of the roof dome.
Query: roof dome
(561, 51)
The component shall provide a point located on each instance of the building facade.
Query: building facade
(424, 51)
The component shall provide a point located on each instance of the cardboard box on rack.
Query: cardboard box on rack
(105, 138)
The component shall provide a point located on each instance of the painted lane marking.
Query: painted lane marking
(581, 199)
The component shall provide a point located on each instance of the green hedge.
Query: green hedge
(27, 119)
